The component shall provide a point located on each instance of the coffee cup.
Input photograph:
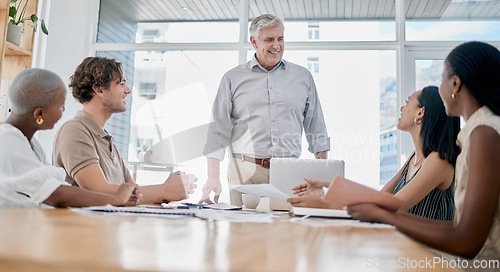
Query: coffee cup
(191, 178)
(250, 201)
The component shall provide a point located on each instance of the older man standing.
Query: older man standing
(260, 111)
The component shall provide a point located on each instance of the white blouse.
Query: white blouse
(483, 116)
(26, 178)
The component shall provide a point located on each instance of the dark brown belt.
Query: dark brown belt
(262, 162)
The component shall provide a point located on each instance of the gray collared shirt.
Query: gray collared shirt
(262, 113)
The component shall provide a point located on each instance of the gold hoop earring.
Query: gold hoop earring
(416, 122)
(453, 95)
(39, 121)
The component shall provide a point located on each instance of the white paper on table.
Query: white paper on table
(265, 190)
(222, 206)
(235, 216)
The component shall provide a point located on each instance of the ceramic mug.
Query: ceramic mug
(191, 178)
(250, 201)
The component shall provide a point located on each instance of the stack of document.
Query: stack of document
(342, 192)
(139, 210)
(331, 213)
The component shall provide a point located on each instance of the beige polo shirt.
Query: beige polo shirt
(81, 141)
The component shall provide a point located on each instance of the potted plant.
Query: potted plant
(17, 15)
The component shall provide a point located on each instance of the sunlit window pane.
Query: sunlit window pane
(456, 20)
(187, 32)
(453, 31)
(428, 72)
(340, 31)
(173, 93)
(358, 95)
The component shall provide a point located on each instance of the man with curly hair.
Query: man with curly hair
(86, 150)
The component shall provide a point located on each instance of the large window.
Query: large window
(428, 72)
(357, 89)
(453, 30)
(456, 20)
(340, 31)
(188, 32)
(353, 49)
(184, 87)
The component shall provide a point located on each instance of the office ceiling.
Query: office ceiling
(228, 10)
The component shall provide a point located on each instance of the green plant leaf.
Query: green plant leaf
(12, 12)
(34, 18)
(44, 27)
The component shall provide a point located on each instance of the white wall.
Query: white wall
(71, 26)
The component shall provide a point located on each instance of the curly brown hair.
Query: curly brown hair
(94, 71)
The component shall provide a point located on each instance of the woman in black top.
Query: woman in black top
(426, 181)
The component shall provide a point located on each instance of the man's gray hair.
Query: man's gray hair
(263, 21)
(33, 88)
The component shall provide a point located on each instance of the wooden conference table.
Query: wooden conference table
(65, 240)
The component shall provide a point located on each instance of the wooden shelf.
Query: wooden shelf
(4, 5)
(14, 50)
(13, 58)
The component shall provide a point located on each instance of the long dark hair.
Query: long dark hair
(477, 64)
(439, 131)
